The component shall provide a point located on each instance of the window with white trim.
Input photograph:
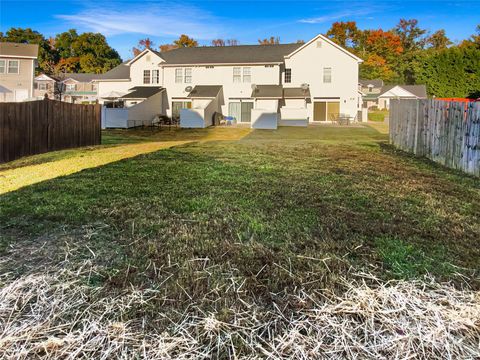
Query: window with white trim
(188, 75)
(327, 75)
(178, 76)
(155, 76)
(146, 76)
(42, 86)
(2, 66)
(13, 66)
(237, 74)
(70, 87)
(288, 76)
(247, 74)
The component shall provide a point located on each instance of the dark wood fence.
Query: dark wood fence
(445, 132)
(35, 127)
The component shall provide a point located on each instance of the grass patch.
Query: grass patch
(407, 261)
(377, 115)
(276, 210)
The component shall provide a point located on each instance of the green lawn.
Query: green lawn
(377, 115)
(276, 210)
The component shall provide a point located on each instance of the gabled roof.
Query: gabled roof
(45, 77)
(81, 77)
(419, 91)
(242, 54)
(120, 72)
(327, 40)
(18, 50)
(205, 91)
(131, 61)
(377, 83)
(142, 92)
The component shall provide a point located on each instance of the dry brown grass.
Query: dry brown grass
(55, 315)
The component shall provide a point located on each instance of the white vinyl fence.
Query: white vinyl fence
(445, 132)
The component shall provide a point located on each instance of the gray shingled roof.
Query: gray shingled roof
(142, 92)
(296, 93)
(279, 92)
(205, 91)
(81, 77)
(267, 92)
(417, 90)
(16, 49)
(243, 54)
(119, 72)
(378, 83)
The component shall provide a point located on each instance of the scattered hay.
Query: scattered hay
(58, 316)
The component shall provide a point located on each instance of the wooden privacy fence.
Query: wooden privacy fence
(34, 127)
(445, 132)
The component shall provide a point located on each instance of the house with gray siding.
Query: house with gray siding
(17, 70)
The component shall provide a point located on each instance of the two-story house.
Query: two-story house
(44, 85)
(261, 85)
(79, 87)
(17, 70)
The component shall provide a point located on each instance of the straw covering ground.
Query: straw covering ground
(230, 243)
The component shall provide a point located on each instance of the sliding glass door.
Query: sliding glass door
(326, 110)
(241, 110)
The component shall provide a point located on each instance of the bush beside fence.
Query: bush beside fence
(35, 127)
(445, 132)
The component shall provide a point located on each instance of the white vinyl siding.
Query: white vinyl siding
(2, 66)
(237, 74)
(188, 75)
(178, 76)
(327, 75)
(242, 74)
(146, 76)
(155, 76)
(247, 75)
(13, 66)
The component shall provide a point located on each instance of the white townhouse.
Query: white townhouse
(262, 85)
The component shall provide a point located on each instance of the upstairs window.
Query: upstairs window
(178, 76)
(70, 87)
(2, 66)
(327, 75)
(13, 67)
(146, 76)
(288, 75)
(237, 74)
(188, 75)
(247, 75)
(155, 76)
(42, 86)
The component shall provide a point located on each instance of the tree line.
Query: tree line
(408, 54)
(405, 54)
(68, 51)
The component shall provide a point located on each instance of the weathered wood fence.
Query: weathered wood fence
(34, 127)
(445, 132)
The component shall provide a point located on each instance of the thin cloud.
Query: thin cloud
(153, 20)
(337, 16)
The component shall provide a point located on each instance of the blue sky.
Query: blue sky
(125, 22)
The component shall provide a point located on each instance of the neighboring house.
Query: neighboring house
(44, 84)
(79, 88)
(370, 90)
(261, 85)
(400, 92)
(17, 70)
